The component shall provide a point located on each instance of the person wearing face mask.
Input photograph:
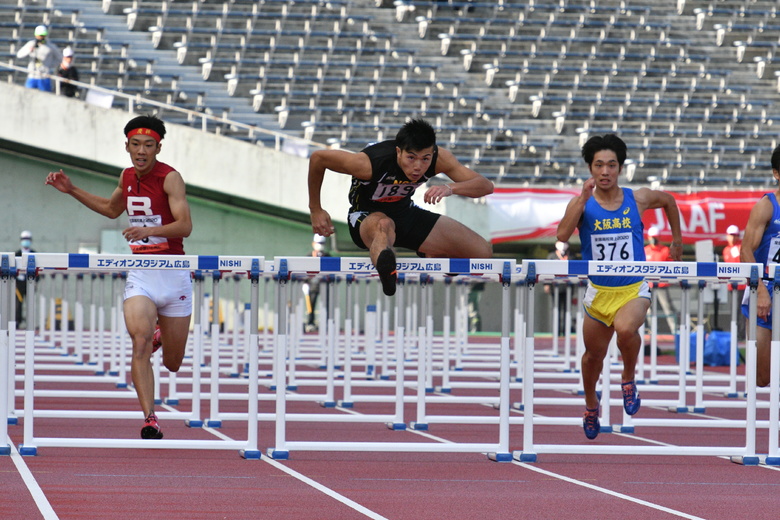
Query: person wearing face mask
(25, 242)
(68, 72)
(44, 57)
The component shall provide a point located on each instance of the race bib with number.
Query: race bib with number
(393, 192)
(612, 247)
(150, 244)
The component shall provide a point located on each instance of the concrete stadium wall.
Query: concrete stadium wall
(209, 161)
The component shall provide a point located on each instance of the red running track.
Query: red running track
(209, 484)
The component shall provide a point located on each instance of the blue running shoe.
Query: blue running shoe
(631, 400)
(591, 423)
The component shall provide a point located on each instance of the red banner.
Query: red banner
(527, 214)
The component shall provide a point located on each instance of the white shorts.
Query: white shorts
(171, 291)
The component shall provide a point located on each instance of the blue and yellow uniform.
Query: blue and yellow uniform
(612, 236)
(767, 252)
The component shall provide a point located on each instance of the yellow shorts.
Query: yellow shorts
(602, 303)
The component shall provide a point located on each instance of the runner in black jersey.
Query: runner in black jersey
(382, 214)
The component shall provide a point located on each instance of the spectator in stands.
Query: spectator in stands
(731, 251)
(655, 251)
(561, 252)
(312, 287)
(68, 72)
(383, 215)
(609, 219)
(25, 247)
(44, 58)
(759, 244)
(153, 195)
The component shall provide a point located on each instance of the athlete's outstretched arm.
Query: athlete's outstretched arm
(357, 165)
(653, 199)
(467, 182)
(758, 220)
(574, 210)
(111, 208)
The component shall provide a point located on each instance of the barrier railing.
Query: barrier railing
(34, 263)
(689, 271)
(395, 366)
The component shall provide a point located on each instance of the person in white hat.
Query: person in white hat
(44, 57)
(654, 250)
(733, 246)
(68, 72)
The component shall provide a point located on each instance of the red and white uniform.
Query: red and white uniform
(147, 206)
(731, 253)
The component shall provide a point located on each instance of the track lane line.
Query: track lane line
(310, 482)
(32, 485)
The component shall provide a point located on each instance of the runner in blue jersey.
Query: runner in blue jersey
(609, 219)
(761, 244)
(382, 214)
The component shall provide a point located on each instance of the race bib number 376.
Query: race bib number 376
(612, 247)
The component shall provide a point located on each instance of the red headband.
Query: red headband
(144, 131)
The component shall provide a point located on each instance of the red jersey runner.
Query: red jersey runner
(147, 206)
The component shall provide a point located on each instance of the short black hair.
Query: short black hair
(776, 158)
(608, 142)
(415, 135)
(149, 121)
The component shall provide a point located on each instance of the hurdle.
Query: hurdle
(746, 454)
(361, 267)
(7, 281)
(37, 262)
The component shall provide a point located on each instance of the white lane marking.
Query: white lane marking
(607, 491)
(32, 485)
(584, 484)
(310, 482)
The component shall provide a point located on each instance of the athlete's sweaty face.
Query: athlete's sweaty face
(605, 169)
(143, 150)
(414, 163)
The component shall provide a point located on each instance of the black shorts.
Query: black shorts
(412, 227)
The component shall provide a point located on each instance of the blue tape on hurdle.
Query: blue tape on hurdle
(250, 454)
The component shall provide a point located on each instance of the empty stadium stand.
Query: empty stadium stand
(513, 87)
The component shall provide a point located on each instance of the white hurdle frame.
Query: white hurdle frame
(286, 266)
(746, 454)
(7, 293)
(36, 262)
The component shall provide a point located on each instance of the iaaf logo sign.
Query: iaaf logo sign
(534, 213)
(705, 215)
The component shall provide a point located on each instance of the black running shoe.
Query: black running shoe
(151, 429)
(385, 266)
